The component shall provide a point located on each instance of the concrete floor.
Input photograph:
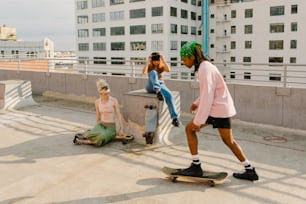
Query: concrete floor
(40, 164)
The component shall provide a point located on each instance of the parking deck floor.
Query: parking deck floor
(40, 164)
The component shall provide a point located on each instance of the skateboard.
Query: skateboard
(211, 177)
(150, 122)
(124, 138)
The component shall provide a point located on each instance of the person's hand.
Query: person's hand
(195, 127)
(121, 133)
(193, 108)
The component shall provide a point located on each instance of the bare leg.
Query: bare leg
(228, 139)
(192, 139)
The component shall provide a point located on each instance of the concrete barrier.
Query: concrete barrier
(134, 113)
(15, 94)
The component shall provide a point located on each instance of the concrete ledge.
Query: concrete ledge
(134, 111)
(15, 94)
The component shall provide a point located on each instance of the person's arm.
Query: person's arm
(119, 116)
(166, 66)
(98, 117)
(146, 66)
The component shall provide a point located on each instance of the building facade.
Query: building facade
(10, 47)
(116, 31)
(257, 31)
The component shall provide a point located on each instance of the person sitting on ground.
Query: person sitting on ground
(107, 107)
(154, 67)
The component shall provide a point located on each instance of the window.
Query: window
(116, 15)
(138, 13)
(276, 44)
(247, 59)
(212, 15)
(233, 29)
(173, 11)
(248, 13)
(293, 44)
(83, 46)
(193, 30)
(99, 46)
(233, 59)
(232, 75)
(157, 11)
(248, 29)
(173, 45)
(97, 3)
(82, 5)
(82, 19)
(294, 26)
(212, 45)
(293, 60)
(98, 17)
(184, 13)
(83, 33)
(294, 9)
(193, 2)
(117, 60)
(137, 29)
(173, 61)
(276, 59)
(212, 30)
(115, 2)
(157, 45)
(136, 0)
(277, 10)
(98, 32)
(157, 28)
(185, 1)
(275, 77)
(140, 45)
(247, 44)
(184, 29)
(117, 46)
(233, 13)
(247, 75)
(233, 44)
(193, 16)
(99, 60)
(117, 30)
(277, 28)
(173, 28)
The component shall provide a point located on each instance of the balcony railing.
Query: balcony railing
(280, 75)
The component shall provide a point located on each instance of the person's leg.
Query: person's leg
(228, 139)
(170, 103)
(195, 167)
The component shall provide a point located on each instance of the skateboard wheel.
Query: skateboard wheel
(211, 183)
(174, 179)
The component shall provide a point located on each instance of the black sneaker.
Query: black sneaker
(193, 170)
(175, 122)
(159, 96)
(249, 174)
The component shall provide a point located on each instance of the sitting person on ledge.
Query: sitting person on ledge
(107, 108)
(154, 67)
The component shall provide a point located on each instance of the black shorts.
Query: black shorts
(219, 122)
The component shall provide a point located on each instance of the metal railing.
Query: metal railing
(280, 75)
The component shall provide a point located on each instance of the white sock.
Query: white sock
(196, 159)
(247, 164)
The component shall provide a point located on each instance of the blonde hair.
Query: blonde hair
(102, 85)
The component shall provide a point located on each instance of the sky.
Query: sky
(36, 19)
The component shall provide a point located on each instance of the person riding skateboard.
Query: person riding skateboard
(214, 106)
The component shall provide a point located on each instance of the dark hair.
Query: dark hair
(155, 56)
(199, 57)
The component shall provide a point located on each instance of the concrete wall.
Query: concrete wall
(261, 104)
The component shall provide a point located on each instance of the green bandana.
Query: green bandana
(187, 50)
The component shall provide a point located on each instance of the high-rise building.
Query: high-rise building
(257, 31)
(123, 30)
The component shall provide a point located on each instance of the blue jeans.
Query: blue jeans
(154, 84)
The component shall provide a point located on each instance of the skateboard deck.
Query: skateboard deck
(150, 122)
(124, 138)
(209, 176)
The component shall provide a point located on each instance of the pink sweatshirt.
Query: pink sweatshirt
(215, 99)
